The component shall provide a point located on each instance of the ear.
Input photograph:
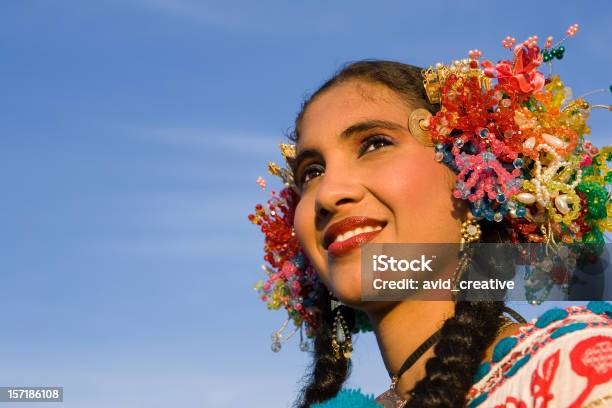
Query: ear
(418, 124)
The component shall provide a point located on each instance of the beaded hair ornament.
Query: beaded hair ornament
(515, 138)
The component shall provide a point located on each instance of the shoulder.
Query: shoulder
(561, 359)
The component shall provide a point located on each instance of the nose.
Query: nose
(335, 191)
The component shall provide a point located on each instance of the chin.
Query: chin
(351, 298)
(346, 285)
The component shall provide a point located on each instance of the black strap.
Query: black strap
(434, 338)
(417, 353)
(516, 315)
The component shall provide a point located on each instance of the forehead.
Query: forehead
(345, 104)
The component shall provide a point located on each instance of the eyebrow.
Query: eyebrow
(350, 131)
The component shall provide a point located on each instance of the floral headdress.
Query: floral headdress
(515, 138)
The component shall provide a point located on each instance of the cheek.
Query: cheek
(302, 221)
(304, 225)
(418, 193)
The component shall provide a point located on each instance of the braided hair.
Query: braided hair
(465, 336)
(327, 373)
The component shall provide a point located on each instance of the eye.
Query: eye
(368, 144)
(372, 143)
(310, 172)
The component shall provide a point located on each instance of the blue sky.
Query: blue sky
(132, 132)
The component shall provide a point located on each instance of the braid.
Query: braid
(465, 337)
(327, 373)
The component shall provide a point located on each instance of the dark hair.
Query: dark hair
(465, 336)
(404, 79)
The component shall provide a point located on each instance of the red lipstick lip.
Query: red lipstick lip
(348, 224)
(337, 249)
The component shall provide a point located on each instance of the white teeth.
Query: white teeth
(356, 231)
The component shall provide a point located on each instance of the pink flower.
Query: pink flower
(522, 74)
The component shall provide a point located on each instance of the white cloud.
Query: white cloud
(181, 225)
(180, 245)
(232, 141)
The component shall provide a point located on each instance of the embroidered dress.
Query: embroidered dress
(563, 359)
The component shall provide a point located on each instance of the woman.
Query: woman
(363, 172)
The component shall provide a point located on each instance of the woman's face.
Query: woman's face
(362, 173)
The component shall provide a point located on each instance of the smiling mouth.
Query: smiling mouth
(339, 248)
(357, 231)
(350, 233)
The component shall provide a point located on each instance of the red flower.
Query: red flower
(541, 384)
(522, 74)
(592, 358)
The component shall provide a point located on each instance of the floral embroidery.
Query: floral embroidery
(592, 358)
(512, 402)
(541, 384)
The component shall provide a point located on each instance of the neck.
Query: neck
(402, 328)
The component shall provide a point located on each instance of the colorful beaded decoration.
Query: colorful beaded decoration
(515, 138)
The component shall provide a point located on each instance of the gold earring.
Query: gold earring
(341, 336)
(470, 232)
(418, 124)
